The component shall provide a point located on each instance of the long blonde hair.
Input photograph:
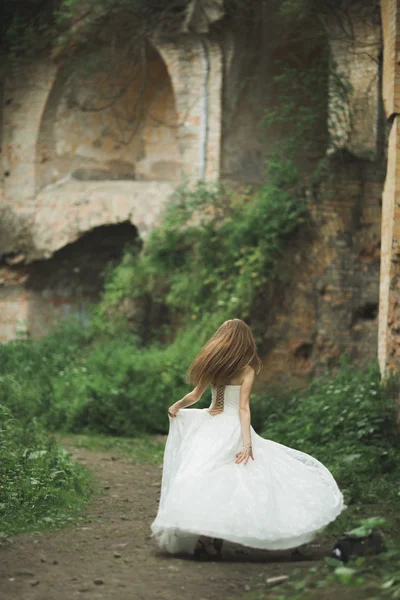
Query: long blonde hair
(231, 348)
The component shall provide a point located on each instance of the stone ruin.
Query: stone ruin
(79, 183)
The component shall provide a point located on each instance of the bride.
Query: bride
(222, 481)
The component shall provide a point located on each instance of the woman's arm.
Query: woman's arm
(246, 451)
(190, 398)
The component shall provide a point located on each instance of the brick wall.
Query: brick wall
(330, 304)
(389, 321)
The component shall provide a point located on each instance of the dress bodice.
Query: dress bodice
(226, 398)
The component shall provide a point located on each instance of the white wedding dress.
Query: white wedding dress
(280, 500)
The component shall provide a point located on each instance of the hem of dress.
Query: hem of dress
(283, 543)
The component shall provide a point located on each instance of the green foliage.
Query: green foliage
(310, 97)
(348, 422)
(293, 7)
(367, 526)
(27, 368)
(373, 576)
(110, 385)
(302, 107)
(212, 254)
(118, 388)
(39, 484)
(61, 26)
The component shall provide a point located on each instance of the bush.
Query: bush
(40, 486)
(121, 389)
(348, 421)
(110, 385)
(28, 368)
(210, 258)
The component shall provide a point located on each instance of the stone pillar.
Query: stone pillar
(195, 67)
(389, 304)
(353, 116)
(24, 102)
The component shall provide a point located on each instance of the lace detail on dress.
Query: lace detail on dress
(218, 406)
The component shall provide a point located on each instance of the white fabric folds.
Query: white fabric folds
(278, 501)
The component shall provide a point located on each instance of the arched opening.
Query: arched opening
(110, 120)
(72, 279)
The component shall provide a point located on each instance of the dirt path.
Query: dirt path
(110, 555)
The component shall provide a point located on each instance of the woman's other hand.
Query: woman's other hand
(173, 410)
(244, 454)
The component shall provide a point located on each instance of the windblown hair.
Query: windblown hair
(231, 348)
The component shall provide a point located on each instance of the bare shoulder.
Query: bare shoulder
(248, 373)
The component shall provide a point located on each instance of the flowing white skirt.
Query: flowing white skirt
(278, 501)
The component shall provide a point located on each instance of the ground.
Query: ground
(110, 553)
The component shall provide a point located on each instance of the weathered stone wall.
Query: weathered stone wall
(252, 48)
(330, 305)
(257, 49)
(68, 169)
(355, 55)
(66, 174)
(61, 216)
(389, 309)
(45, 144)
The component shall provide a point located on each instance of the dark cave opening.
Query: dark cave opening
(366, 312)
(78, 267)
(304, 351)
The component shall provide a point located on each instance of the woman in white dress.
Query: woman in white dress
(222, 481)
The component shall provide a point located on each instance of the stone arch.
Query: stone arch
(133, 137)
(49, 216)
(194, 65)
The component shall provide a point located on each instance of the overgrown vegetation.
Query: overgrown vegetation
(61, 26)
(213, 253)
(214, 256)
(40, 486)
(348, 421)
(364, 578)
(209, 260)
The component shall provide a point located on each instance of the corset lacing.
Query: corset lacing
(218, 407)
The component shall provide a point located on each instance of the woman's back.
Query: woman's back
(225, 399)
